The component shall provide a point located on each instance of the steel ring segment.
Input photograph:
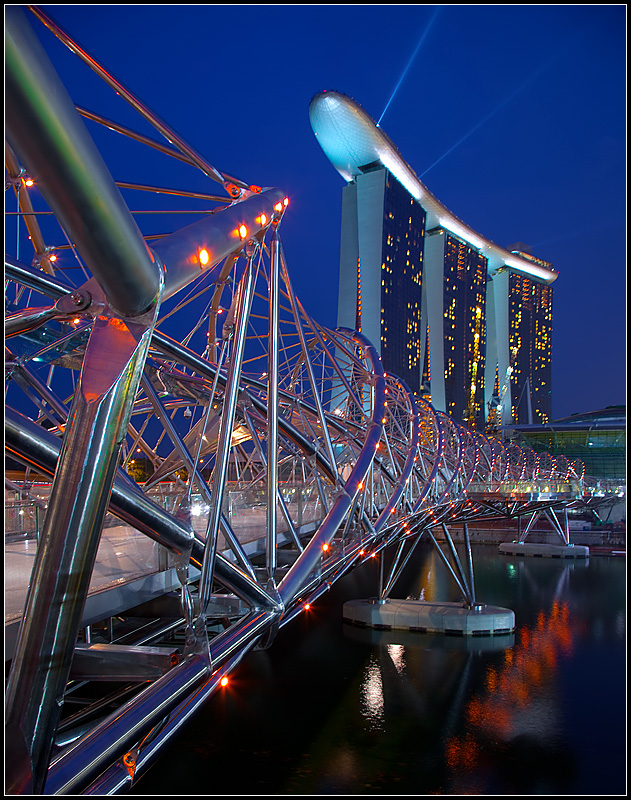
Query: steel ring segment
(17, 271)
(291, 585)
(410, 460)
(174, 349)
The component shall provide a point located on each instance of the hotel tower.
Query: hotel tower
(461, 320)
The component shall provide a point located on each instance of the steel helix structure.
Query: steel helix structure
(277, 454)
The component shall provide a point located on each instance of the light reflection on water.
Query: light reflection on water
(517, 698)
(332, 709)
(372, 695)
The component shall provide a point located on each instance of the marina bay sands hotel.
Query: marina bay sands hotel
(460, 319)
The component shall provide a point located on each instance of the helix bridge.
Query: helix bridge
(277, 455)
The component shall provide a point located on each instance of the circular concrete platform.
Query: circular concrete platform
(429, 641)
(453, 619)
(544, 550)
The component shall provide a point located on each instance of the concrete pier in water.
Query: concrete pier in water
(454, 619)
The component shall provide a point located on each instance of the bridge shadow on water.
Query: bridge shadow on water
(335, 709)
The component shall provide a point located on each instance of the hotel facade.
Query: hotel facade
(462, 321)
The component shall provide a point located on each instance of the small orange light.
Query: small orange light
(52, 258)
(307, 606)
(263, 219)
(243, 231)
(204, 258)
(29, 182)
(223, 681)
(286, 202)
(76, 320)
(278, 207)
(325, 547)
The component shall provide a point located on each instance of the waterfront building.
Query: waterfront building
(530, 343)
(455, 306)
(597, 438)
(462, 320)
(381, 270)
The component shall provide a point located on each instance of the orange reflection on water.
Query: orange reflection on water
(462, 753)
(506, 705)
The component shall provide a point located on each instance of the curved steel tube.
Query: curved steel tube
(47, 133)
(290, 586)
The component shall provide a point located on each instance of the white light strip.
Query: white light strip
(394, 166)
(530, 269)
(462, 233)
(413, 185)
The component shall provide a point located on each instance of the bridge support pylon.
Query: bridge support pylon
(466, 618)
(452, 619)
(562, 549)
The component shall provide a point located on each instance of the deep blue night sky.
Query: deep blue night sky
(513, 116)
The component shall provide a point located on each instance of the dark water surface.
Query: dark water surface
(333, 709)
